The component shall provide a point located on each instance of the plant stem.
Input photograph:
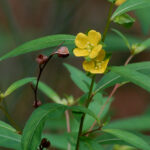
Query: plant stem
(129, 59)
(83, 116)
(108, 22)
(12, 122)
(111, 94)
(41, 69)
(68, 126)
(90, 96)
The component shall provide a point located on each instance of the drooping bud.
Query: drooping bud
(63, 52)
(45, 143)
(36, 104)
(41, 59)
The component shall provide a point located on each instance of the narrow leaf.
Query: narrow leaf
(130, 5)
(38, 44)
(138, 123)
(33, 130)
(112, 78)
(79, 78)
(129, 138)
(9, 137)
(133, 76)
(17, 85)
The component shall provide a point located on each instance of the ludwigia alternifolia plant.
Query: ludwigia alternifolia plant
(87, 118)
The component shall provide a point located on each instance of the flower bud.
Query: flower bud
(63, 52)
(36, 104)
(45, 143)
(41, 59)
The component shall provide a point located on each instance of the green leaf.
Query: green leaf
(128, 137)
(48, 91)
(54, 138)
(146, 43)
(38, 44)
(130, 5)
(139, 123)
(140, 47)
(144, 19)
(9, 137)
(31, 138)
(123, 37)
(133, 76)
(106, 138)
(14, 86)
(79, 78)
(124, 19)
(112, 78)
(95, 106)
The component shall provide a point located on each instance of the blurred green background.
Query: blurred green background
(25, 20)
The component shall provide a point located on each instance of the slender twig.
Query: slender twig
(12, 122)
(89, 132)
(83, 116)
(111, 94)
(108, 22)
(68, 126)
(41, 69)
(129, 59)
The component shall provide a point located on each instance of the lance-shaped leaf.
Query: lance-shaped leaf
(130, 5)
(33, 129)
(112, 78)
(130, 138)
(133, 76)
(14, 86)
(138, 123)
(79, 78)
(9, 137)
(38, 44)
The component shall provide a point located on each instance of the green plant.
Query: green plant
(87, 117)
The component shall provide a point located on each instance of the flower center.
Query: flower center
(98, 65)
(89, 47)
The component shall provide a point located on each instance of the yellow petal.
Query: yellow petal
(80, 52)
(81, 40)
(94, 37)
(101, 68)
(95, 51)
(119, 2)
(101, 56)
(88, 65)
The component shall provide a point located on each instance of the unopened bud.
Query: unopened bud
(41, 59)
(45, 143)
(36, 104)
(63, 52)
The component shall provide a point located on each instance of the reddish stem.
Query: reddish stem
(68, 125)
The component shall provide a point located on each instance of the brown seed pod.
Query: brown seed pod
(63, 52)
(41, 59)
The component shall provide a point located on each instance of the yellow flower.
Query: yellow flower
(88, 45)
(119, 2)
(97, 65)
